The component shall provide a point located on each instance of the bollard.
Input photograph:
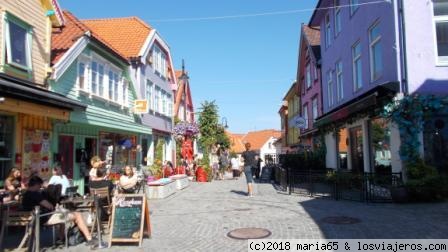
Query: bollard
(37, 228)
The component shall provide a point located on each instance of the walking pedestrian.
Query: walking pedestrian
(235, 166)
(249, 162)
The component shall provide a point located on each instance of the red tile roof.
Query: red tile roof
(312, 34)
(63, 38)
(256, 139)
(127, 34)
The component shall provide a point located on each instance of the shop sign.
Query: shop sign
(141, 107)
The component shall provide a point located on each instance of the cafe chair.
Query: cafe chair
(21, 219)
(105, 204)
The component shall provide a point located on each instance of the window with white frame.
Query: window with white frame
(357, 66)
(327, 31)
(18, 43)
(149, 92)
(354, 5)
(337, 17)
(330, 88)
(305, 115)
(441, 26)
(339, 81)
(308, 75)
(98, 77)
(164, 102)
(315, 108)
(124, 92)
(160, 61)
(101, 80)
(157, 99)
(376, 57)
(82, 81)
(170, 105)
(94, 78)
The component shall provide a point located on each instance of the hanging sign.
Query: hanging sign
(298, 122)
(141, 107)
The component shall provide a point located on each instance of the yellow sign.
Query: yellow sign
(141, 106)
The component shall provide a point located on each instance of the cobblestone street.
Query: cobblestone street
(199, 218)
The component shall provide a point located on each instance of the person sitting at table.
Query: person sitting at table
(14, 184)
(34, 197)
(96, 163)
(101, 180)
(128, 180)
(59, 178)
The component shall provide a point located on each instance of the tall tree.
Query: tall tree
(212, 132)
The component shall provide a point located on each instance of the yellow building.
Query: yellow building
(28, 111)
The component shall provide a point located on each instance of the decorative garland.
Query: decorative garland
(409, 113)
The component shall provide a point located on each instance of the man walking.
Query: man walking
(249, 162)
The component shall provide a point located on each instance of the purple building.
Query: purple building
(309, 84)
(373, 52)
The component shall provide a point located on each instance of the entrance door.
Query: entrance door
(356, 149)
(6, 145)
(66, 154)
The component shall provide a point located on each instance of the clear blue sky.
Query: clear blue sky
(245, 64)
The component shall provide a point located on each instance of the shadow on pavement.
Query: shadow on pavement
(239, 192)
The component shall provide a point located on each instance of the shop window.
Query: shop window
(380, 137)
(6, 145)
(118, 150)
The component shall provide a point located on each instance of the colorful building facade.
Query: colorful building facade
(88, 69)
(28, 110)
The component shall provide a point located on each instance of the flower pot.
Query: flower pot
(399, 194)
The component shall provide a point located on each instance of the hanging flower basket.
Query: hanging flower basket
(185, 129)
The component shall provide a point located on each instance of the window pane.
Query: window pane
(111, 84)
(18, 44)
(81, 72)
(116, 82)
(440, 7)
(358, 73)
(101, 79)
(94, 76)
(374, 33)
(442, 38)
(353, 6)
(377, 60)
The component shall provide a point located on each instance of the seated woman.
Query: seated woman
(96, 163)
(34, 197)
(59, 178)
(100, 180)
(14, 184)
(128, 180)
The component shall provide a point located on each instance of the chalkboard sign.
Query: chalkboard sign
(128, 214)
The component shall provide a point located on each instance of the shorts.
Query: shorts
(248, 174)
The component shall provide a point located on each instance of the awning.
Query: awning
(365, 102)
(28, 91)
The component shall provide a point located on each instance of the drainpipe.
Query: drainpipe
(403, 56)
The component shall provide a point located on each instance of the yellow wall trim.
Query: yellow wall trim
(13, 105)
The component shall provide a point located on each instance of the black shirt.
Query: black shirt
(249, 158)
(31, 199)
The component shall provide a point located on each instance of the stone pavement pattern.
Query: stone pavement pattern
(199, 218)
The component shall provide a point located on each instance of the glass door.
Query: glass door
(356, 148)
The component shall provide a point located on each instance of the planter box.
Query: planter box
(160, 189)
(181, 181)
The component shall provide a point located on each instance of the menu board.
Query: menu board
(128, 215)
(36, 153)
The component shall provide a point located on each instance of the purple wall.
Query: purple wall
(307, 94)
(425, 74)
(356, 28)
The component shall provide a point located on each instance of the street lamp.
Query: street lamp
(224, 122)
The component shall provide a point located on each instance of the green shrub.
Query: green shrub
(424, 183)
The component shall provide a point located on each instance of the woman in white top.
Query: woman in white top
(96, 163)
(128, 180)
(235, 166)
(59, 179)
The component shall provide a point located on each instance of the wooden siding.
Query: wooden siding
(32, 13)
(99, 112)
